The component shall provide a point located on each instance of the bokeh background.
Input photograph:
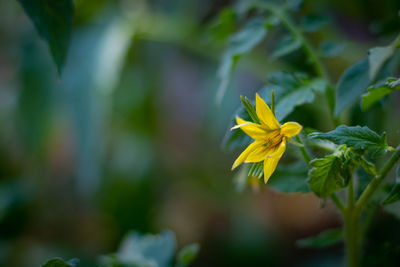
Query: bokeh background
(129, 136)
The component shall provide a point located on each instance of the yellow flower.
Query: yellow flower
(269, 138)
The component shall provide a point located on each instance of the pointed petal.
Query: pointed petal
(253, 130)
(259, 153)
(290, 129)
(278, 152)
(269, 167)
(242, 157)
(265, 114)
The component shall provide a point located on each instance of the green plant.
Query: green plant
(346, 149)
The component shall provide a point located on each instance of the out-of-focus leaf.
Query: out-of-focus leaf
(357, 77)
(188, 254)
(294, 5)
(351, 85)
(331, 49)
(313, 23)
(225, 25)
(53, 22)
(234, 139)
(287, 45)
(324, 175)
(322, 240)
(240, 43)
(394, 194)
(94, 66)
(35, 97)
(147, 250)
(377, 57)
(57, 262)
(377, 92)
(355, 136)
(291, 90)
(290, 178)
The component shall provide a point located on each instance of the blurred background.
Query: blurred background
(129, 136)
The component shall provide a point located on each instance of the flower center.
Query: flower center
(274, 139)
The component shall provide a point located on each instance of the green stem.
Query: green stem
(352, 238)
(297, 33)
(354, 210)
(337, 202)
(306, 155)
(374, 184)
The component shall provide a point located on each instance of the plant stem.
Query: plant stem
(297, 33)
(307, 157)
(354, 210)
(374, 184)
(338, 203)
(352, 237)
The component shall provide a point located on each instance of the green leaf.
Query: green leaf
(53, 21)
(225, 25)
(286, 46)
(324, 239)
(394, 195)
(313, 23)
(355, 136)
(330, 48)
(357, 77)
(295, 5)
(351, 85)
(58, 262)
(377, 92)
(187, 254)
(290, 178)
(242, 42)
(147, 250)
(377, 57)
(291, 90)
(324, 175)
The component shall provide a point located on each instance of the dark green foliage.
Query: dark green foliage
(313, 23)
(351, 85)
(187, 254)
(57, 262)
(330, 48)
(290, 178)
(322, 240)
(357, 137)
(355, 80)
(239, 44)
(53, 21)
(325, 175)
(287, 45)
(291, 90)
(377, 92)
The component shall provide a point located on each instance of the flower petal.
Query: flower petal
(259, 153)
(242, 157)
(254, 130)
(279, 150)
(269, 167)
(265, 115)
(290, 129)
